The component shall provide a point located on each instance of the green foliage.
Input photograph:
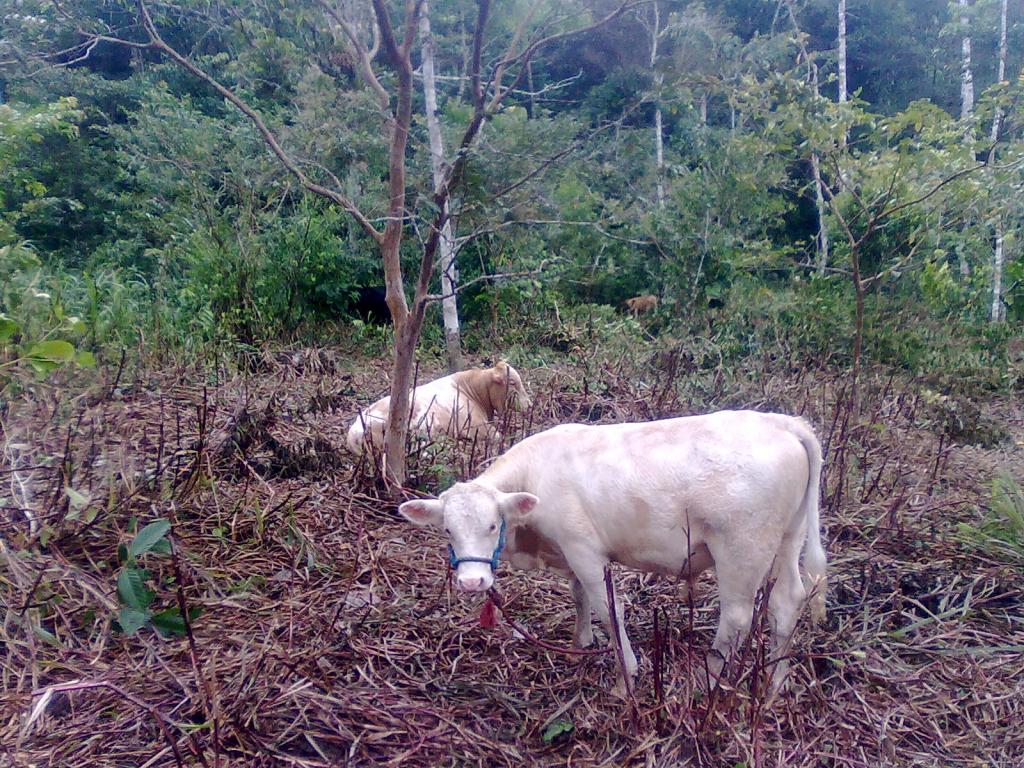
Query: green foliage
(1002, 533)
(135, 597)
(147, 208)
(556, 730)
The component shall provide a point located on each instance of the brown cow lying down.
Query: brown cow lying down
(463, 404)
(638, 305)
(733, 490)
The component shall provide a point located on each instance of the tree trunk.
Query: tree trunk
(659, 140)
(998, 310)
(449, 272)
(819, 199)
(842, 52)
(966, 76)
(998, 119)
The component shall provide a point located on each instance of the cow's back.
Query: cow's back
(646, 489)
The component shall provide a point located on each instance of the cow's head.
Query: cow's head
(507, 388)
(473, 516)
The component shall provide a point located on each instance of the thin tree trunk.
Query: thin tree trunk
(704, 108)
(966, 75)
(998, 119)
(659, 140)
(819, 199)
(842, 52)
(449, 273)
(998, 311)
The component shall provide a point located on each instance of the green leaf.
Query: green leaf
(557, 728)
(85, 359)
(77, 499)
(170, 622)
(46, 636)
(162, 547)
(54, 351)
(131, 588)
(132, 619)
(148, 537)
(42, 366)
(7, 327)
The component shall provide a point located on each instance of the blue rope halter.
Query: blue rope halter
(454, 561)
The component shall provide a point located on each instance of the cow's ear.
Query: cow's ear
(422, 511)
(500, 372)
(516, 506)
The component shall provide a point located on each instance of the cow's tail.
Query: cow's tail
(815, 562)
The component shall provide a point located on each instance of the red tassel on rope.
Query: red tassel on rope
(489, 615)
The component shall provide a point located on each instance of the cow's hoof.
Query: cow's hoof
(619, 690)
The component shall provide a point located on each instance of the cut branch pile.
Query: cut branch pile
(328, 632)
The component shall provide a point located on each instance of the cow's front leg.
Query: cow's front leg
(589, 569)
(583, 634)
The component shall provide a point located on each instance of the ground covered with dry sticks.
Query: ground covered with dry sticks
(324, 631)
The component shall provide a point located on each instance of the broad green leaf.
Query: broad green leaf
(162, 547)
(148, 537)
(55, 351)
(170, 622)
(131, 588)
(85, 359)
(132, 619)
(42, 367)
(7, 327)
(77, 499)
(556, 729)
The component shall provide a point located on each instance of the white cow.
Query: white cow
(463, 404)
(737, 490)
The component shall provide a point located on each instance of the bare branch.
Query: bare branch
(524, 56)
(365, 56)
(434, 297)
(948, 180)
(157, 42)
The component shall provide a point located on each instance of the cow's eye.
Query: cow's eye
(447, 532)
(494, 527)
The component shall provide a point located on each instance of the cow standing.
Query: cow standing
(736, 490)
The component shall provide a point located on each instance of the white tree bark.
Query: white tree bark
(446, 248)
(843, 95)
(998, 310)
(819, 196)
(966, 75)
(819, 199)
(659, 140)
(998, 119)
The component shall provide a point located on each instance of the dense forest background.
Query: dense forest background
(136, 200)
(228, 226)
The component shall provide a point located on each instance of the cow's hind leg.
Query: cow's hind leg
(583, 635)
(784, 604)
(740, 574)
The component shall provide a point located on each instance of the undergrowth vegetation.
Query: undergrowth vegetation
(195, 565)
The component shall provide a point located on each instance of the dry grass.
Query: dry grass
(330, 634)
